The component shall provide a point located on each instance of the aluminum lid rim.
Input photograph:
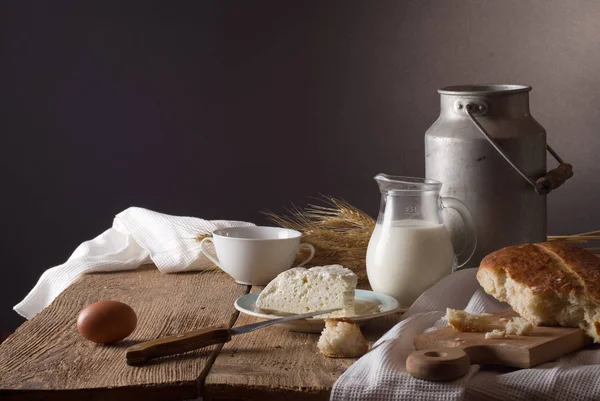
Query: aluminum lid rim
(484, 89)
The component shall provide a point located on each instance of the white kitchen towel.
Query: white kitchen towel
(138, 236)
(380, 375)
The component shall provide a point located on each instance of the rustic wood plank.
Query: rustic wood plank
(276, 364)
(46, 358)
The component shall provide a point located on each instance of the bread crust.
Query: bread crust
(584, 265)
(548, 266)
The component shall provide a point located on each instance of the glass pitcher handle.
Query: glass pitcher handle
(471, 241)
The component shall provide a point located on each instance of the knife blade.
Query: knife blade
(184, 342)
(255, 326)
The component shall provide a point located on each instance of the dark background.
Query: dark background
(221, 109)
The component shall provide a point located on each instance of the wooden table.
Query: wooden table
(47, 359)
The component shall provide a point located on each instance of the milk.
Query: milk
(407, 257)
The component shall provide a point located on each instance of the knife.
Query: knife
(171, 345)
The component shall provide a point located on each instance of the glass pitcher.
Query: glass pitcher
(410, 248)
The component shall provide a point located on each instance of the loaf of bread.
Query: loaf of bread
(549, 283)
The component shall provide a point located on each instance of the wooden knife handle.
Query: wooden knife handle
(143, 352)
(441, 364)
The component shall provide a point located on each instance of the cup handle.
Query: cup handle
(312, 252)
(467, 253)
(204, 250)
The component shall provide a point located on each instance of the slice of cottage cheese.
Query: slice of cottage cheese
(301, 290)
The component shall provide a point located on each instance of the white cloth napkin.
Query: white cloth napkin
(380, 375)
(138, 236)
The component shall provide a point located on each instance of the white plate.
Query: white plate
(370, 305)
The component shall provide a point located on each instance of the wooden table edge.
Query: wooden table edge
(225, 392)
(182, 391)
(201, 380)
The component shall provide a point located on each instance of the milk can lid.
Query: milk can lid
(483, 90)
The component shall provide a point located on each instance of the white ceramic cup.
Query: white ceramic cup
(255, 255)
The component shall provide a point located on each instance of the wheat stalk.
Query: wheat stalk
(200, 237)
(339, 232)
(580, 239)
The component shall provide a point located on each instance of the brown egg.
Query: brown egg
(106, 322)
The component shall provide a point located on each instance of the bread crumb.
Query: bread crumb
(495, 334)
(342, 338)
(519, 326)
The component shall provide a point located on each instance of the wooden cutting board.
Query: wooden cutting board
(447, 354)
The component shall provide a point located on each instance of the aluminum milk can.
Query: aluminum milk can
(489, 152)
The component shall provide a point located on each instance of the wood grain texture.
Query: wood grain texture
(47, 354)
(276, 364)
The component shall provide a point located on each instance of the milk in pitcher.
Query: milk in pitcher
(408, 256)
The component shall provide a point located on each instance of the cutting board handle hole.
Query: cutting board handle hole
(436, 354)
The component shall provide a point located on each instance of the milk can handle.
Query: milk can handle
(553, 178)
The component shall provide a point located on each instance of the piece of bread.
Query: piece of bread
(342, 338)
(491, 325)
(549, 283)
(469, 322)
